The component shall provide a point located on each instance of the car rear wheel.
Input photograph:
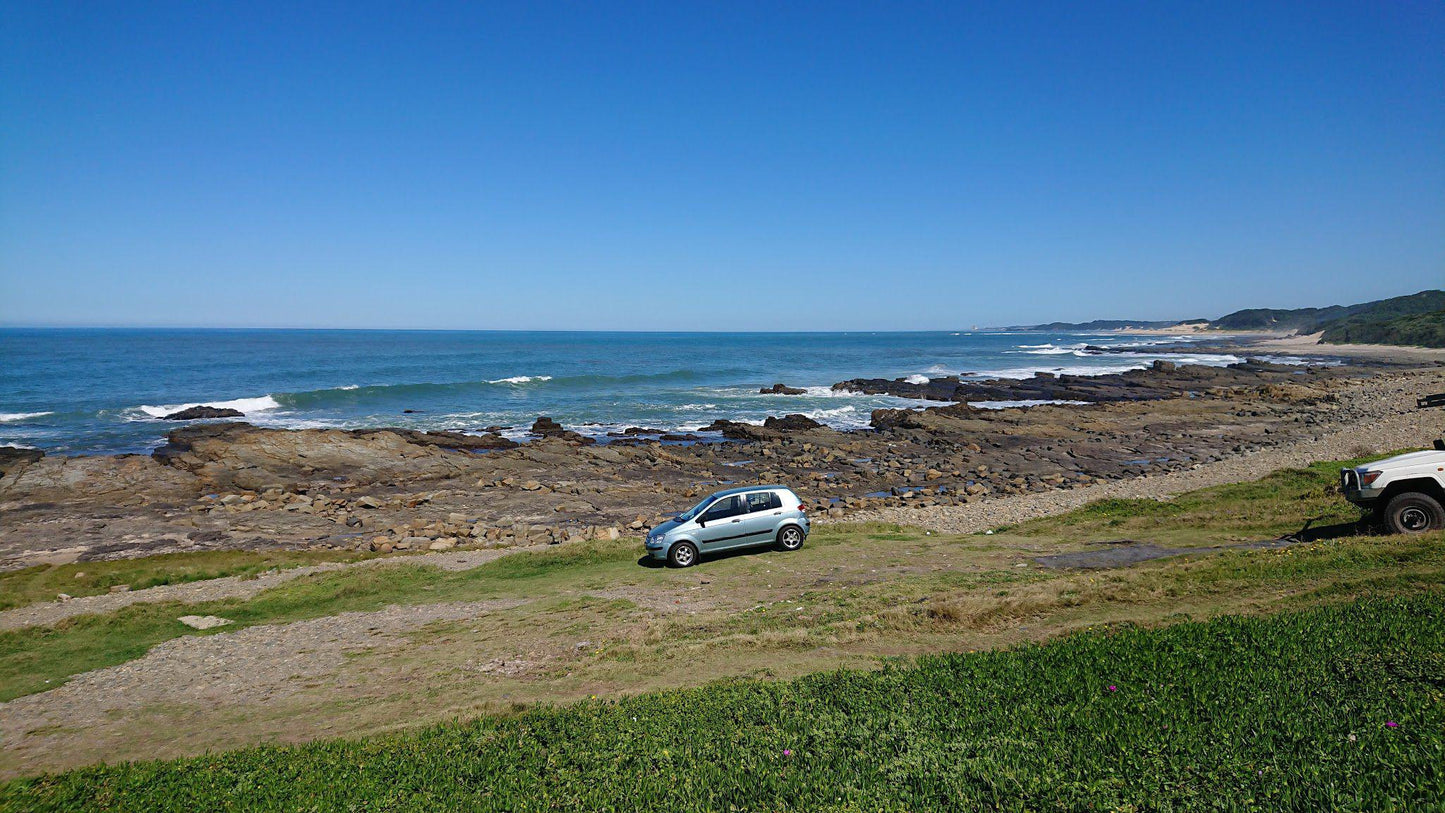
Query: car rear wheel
(790, 538)
(683, 554)
(1414, 513)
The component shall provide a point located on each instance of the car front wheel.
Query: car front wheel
(1414, 513)
(790, 538)
(683, 554)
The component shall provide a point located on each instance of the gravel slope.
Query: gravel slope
(1385, 419)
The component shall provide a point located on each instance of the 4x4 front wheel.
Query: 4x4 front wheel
(1413, 513)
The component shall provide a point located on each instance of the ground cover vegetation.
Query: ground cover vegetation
(1336, 707)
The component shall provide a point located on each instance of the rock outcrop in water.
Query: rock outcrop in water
(203, 412)
(1163, 380)
(545, 427)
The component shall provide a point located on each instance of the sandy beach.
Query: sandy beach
(1310, 344)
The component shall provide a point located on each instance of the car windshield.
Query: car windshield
(695, 510)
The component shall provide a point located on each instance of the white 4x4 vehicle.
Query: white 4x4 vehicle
(1406, 491)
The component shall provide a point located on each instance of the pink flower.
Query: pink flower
(1391, 724)
(1113, 688)
(787, 752)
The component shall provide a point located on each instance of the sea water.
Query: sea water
(74, 391)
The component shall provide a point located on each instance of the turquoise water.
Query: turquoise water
(103, 390)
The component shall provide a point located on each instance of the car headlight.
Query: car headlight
(1368, 477)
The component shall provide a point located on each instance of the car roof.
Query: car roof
(746, 489)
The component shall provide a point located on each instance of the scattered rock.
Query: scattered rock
(203, 622)
(781, 389)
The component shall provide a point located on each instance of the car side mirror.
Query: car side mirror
(701, 523)
(1439, 445)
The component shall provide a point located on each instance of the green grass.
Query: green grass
(19, 588)
(1262, 509)
(38, 658)
(1289, 712)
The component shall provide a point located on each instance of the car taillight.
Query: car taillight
(803, 507)
(1369, 477)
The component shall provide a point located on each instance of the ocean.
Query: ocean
(84, 391)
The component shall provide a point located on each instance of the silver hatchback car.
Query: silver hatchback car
(736, 518)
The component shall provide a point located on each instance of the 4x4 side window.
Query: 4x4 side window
(763, 501)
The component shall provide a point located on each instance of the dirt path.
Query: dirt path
(1395, 424)
(198, 592)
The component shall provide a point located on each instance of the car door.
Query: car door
(721, 524)
(760, 522)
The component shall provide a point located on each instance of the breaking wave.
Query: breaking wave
(12, 417)
(244, 405)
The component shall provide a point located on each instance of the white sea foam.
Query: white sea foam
(520, 379)
(15, 446)
(350, 387)
(245, 405)
(1126, 362)
(11, 417)
(917, 379)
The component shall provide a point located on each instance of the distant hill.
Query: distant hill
(1313, 320)
(1104, 324)
(1416, 319)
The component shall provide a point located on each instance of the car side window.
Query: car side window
(763, 501)
(722, 509)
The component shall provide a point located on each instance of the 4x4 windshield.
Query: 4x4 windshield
(695, 510)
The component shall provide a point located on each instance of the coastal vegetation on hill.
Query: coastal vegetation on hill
(1337, 707)
(1314, 320)
(1416, 330)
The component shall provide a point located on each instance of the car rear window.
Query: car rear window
(764, 501)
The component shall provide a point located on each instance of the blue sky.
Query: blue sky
(721, 166)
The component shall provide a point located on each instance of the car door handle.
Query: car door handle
(737, 520)
(777, 513)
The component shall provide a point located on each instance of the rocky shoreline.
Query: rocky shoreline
(236, 486)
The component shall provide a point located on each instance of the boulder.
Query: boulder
(791, 423)
(781, 389)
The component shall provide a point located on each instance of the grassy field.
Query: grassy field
(1333, 708)
(580, 620)
(19, 588)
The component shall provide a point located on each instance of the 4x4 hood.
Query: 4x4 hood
(1410, 459)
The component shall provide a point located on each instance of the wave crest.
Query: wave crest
(12, 417)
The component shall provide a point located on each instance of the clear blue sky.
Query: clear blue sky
(718, 166)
